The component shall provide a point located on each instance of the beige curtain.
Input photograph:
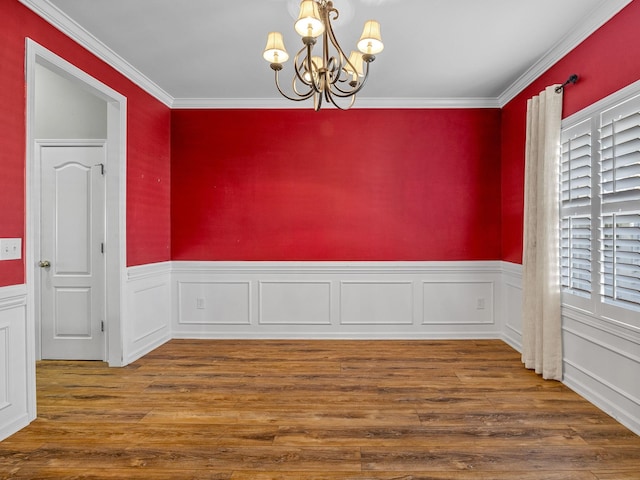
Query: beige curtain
(541, 320)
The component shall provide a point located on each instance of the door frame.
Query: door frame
(37, 217)
(115, 205)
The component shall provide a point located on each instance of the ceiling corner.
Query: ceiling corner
(591, 22)
(53, 15)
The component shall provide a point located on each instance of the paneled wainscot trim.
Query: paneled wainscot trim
(17, 370)
(147, 323)
(601, 358)
(337, 300)
(365, 300)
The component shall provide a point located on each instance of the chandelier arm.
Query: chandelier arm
(357, 88)
(335, 67)
(318, 80)
(299, 67)
(332, 100)
(300, 97)
(317, 101)
(330, 39)
(299, 77)
(305, 95)
(297, 64)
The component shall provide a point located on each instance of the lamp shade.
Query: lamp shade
(275, 52)
(309, 23)
(371, 42)
(355, 66)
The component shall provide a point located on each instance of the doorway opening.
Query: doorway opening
(114, 205)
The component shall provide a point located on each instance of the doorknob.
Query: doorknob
(44, 263)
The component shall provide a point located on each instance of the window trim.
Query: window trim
(619, 316)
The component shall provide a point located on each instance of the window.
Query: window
(575, 191)
(600, 208)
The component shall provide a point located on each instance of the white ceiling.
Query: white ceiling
(209, 52)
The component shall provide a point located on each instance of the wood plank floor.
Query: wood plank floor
(330, 410)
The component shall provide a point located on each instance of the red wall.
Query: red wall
(332, 185)
(148, 186)
(606, 61)
(264, 185)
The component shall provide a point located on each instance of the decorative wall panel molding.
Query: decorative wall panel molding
(148, 309)
(336, 299)
(601, 356)
(376, 303)
(295, 303)
(202, 303)
(602, 365)
(466, 303)
(16, 377)
(512, 305)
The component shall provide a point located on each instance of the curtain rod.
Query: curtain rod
(572, 79)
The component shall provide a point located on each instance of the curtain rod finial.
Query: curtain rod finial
(573, 78)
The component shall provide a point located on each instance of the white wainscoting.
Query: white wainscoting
(17, 382)
(337, 299)
(602, 363)
(512, 304)
(601, 357)
(147, 322)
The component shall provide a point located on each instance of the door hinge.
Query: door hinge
(102, 247)
(102, 326)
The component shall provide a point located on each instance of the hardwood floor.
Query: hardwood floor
(331, 410)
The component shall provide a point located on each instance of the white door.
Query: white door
(72, 212)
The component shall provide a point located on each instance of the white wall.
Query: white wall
(64, 109)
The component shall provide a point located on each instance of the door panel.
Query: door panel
(72, 312)
(72, 194)
(72, 232)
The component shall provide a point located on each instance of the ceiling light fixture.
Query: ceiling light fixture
(331, 75)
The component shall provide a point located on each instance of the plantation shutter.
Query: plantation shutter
(620, 203)
(575, 209)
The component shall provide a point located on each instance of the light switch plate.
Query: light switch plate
(10, 248)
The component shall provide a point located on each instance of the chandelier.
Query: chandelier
(331, 75)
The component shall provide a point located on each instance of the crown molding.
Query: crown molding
(361, 103)
(605, 10)
(601, 14)
(76, 32)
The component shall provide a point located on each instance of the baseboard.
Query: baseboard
(607, 399)
(147, 348)
(333, 336)
(14, 426)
